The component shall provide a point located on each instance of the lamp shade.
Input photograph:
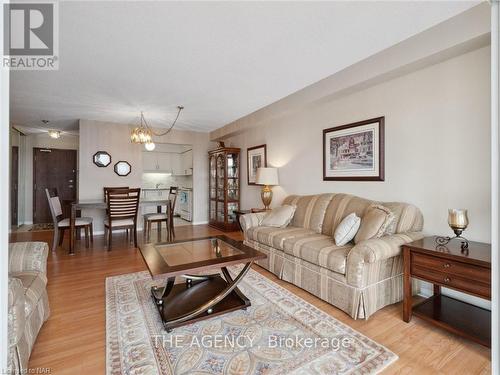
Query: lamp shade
(267, 176)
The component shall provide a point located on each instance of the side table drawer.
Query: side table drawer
(466, 271)
(452, 280)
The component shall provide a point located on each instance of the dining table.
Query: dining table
(99, 204)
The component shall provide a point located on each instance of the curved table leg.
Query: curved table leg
(160, 293)
(191, 278)
(207, 307)
(229, 279)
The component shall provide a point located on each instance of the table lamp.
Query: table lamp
(267, 177)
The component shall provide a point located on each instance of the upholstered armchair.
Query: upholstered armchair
(28, 302)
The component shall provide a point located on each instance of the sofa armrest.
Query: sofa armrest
(365, 260)
(28, 256)
(248, 221)
(16, 311)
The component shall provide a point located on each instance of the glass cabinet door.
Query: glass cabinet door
(213, 189)
(220, 177)
(233, 189)
(232, 177)
(213, 178)
(224, 187)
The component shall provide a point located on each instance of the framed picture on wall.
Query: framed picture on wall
(256, 158)
(354, 152)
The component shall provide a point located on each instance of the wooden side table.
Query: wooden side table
(468, 272)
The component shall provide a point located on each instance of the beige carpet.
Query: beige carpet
(279, 334)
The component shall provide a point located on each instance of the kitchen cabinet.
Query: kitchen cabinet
(179, 164)
(187, 162)
(164, 162)
(176, 161)
(149, 161)
(157, 162)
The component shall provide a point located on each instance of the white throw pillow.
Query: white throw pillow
(347, 229)
(279, 217)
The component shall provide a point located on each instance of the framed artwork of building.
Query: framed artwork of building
(256, 158)
(354, 152)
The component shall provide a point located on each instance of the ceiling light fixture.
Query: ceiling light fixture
(143, 134)
(56, 134)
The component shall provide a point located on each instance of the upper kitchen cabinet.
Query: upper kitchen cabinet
(185, 163)
(187, 159)
(182, 163)
(149, 162)
(169, 158)
(156, 162)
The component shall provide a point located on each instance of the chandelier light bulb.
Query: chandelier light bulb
(150, 146)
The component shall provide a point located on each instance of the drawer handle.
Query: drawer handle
(446, 265)
(447, 280)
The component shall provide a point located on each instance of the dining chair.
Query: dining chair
(172, 197)
(160, 217)
(61, 223)
(123, 206)
(108, 188)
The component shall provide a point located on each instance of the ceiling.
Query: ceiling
(221, 60)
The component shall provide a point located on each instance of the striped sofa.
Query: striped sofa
(28, 300)
(359, 279)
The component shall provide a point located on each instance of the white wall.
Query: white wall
(115, 139)
(4, 203)
(437, 143)
(495, 142)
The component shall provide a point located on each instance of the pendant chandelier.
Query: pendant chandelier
(143, 134)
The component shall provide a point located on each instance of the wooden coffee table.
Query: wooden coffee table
(200, 296)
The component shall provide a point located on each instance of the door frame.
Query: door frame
(14, 192)
(34, 174)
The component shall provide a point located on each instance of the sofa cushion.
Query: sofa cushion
(319, 249)
(34, 284)
(347, 229)
(374, 223)
(279, 217)
(408, 218)
(310, 211)
(340, 206)
(274, 237)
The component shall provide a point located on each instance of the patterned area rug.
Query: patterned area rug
(279, 334)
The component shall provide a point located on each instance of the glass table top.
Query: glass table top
(195, 251)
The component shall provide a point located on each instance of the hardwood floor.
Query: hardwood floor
(73, 339)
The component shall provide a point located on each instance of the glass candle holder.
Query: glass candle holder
(457, 219)
(458, 222)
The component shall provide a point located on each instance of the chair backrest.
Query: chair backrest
(123, 204)
(172, 196)
(54, 205)
(108, 188)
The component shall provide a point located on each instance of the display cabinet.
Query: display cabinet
(224, 187)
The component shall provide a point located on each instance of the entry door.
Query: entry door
(52, 168)
(14, 184)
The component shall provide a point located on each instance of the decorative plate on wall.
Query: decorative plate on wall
(123, 168)
(102, 159)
